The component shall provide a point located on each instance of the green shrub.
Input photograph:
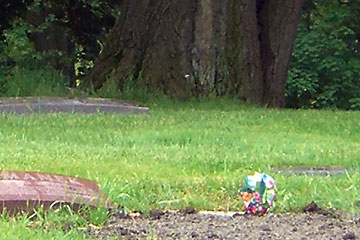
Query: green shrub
(325, 65)
(23, 70)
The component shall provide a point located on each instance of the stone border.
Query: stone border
(26, 105)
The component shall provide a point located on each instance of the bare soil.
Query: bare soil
(313, 223)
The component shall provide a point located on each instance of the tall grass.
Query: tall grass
(33, 81)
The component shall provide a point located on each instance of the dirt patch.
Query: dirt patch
(313, 224)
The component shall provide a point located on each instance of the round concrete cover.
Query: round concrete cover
(75, 105)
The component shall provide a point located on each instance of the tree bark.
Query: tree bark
(235, 47)
(278, 21)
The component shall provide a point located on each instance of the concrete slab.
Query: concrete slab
(26, 105)
(311, 170)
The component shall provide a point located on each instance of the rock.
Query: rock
(311, 207)
(189, 210)
(349, 235)
(314, 208)
(213, 236)
(237, 215)
(265, 228)
(156, 213)
(120, 214)
(120, 230)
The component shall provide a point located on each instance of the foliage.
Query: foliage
(35, 82)
(23, 70)
(131, 89)
(325, 66)
(60, 223)
(97, 216)
(19, 56)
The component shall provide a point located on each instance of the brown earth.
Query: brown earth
(314, 223)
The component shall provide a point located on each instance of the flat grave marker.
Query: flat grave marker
(28, 105)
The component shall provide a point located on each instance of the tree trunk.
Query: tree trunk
(235, 47)
(278, 21)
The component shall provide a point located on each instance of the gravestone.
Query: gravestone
(310, 170)
(22, 191)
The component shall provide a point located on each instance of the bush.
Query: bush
(23, 70)
(325, 66)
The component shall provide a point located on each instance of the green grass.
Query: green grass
(191, 153)
(43, 226)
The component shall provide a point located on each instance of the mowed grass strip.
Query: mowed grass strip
(191, 153)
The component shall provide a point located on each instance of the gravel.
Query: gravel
(185, 224)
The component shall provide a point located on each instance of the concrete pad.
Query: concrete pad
(25, 105)
(311, 170)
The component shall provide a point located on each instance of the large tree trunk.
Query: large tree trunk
(236, 47)
(278, 22)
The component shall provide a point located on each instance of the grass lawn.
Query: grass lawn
(190, 153)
